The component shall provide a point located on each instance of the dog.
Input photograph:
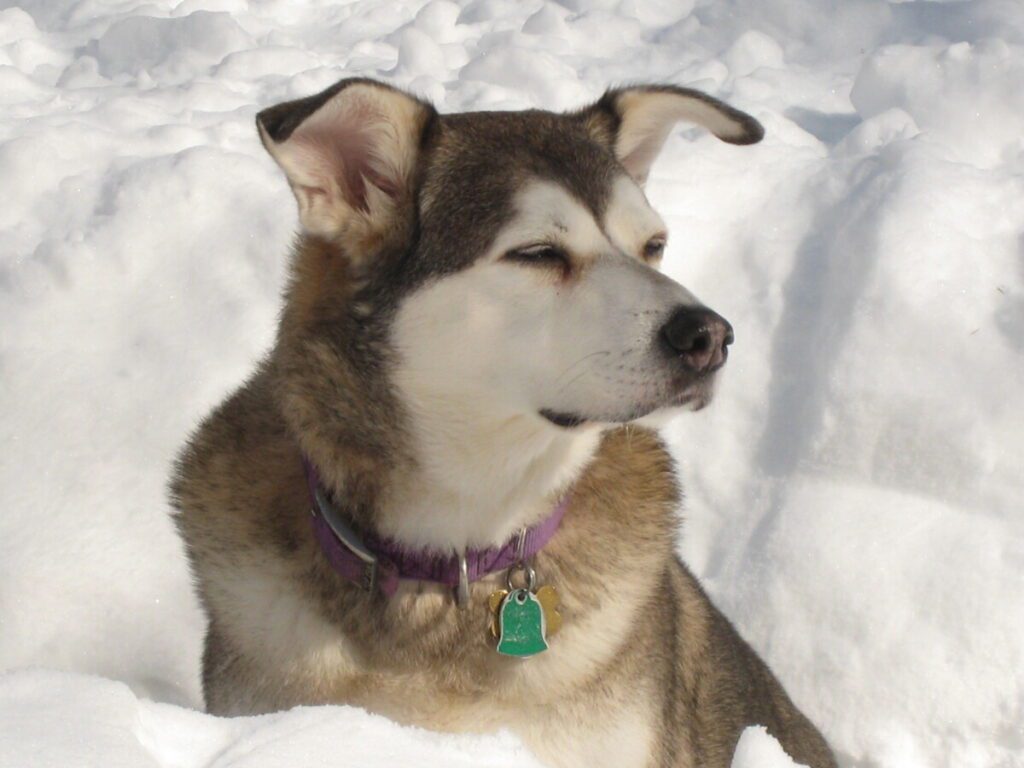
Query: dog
(440, 496)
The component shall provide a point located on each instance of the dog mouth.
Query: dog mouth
(694, 397)
(562, 419)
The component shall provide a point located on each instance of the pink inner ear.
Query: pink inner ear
(342, 149)
(638, 162)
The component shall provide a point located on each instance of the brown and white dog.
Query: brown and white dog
(473, 327)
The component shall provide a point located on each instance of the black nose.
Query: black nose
(699, 337)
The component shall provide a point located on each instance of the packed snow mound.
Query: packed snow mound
(757, 749)
(854, 494)
(56, 720)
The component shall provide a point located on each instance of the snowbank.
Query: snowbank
(56, 720)
(854, 494)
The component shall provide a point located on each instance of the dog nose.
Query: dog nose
(699, 337)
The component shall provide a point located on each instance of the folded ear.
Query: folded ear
(634, 122)
(350, 154)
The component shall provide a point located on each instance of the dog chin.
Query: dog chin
(646, 414)
(661, 416)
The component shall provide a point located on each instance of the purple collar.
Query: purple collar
(375, 562)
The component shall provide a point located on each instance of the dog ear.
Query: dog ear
(635, 121)
(349, 153)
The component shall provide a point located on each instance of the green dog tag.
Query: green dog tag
(521, 622)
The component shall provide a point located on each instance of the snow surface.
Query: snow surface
(854, 494)
(58, 719)
(61, 720)
(757, 749)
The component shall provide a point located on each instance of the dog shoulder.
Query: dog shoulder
(236, 478)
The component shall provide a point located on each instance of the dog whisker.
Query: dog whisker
(579, 362)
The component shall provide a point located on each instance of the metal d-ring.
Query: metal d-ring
(462, 591)
(529, 575)
(521, 565)
(521, 545)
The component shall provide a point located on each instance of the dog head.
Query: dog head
(501, 262)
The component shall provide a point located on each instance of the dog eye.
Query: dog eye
(654, 248)
(539, 256)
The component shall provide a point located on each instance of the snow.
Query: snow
(56, 720)
(757, 749)
(854, 495)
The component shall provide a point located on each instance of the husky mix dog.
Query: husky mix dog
(433, 499)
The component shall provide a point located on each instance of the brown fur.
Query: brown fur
(419, 659)
(645, 671)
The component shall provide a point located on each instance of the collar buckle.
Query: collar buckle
(348, 538)
(369, 580)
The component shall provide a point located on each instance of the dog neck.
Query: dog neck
(476, 480)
